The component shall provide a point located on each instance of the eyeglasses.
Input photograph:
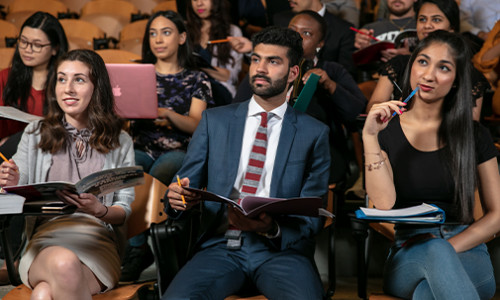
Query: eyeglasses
(35, 46)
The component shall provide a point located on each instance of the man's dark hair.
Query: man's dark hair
(281, 37)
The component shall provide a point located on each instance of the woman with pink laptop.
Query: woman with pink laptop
(183, 94)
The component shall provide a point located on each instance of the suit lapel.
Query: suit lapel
(287, 136)
(235, 140)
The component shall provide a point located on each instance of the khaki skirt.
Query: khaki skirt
(90, 239)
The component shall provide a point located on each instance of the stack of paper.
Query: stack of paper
(424, 213)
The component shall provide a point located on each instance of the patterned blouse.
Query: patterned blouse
(175, 92)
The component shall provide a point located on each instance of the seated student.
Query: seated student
(339, 39)
(183, 94)
(431, 15)
(41, 42)
(78, 255)
(486, 61)
(209, 21)
(401, 18)
(433, 152)
(337, 101)
(273, 253)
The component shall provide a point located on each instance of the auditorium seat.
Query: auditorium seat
(109, 15)
(166, 5)
(81, 33)
(75, 5)
(117, 56)
(18, 18)
(51, 6)
(5, 57)
(131, 36)
(7, 30)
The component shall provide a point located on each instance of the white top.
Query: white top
(252, 123)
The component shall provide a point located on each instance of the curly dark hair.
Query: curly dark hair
(103, 120)
(282, 37)
(220, 28)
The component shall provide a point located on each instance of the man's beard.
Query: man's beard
(274, 88)
(399, 12)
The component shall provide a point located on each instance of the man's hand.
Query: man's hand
(263, 223)
(176, 192)
(362, 41)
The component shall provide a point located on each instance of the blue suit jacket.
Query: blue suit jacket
(301, 167)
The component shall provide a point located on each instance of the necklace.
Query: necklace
(401, 28)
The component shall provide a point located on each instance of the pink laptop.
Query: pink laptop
(134, 88)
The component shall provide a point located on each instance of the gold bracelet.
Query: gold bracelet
(376, 165)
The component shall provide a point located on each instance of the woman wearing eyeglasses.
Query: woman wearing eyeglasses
(40, 42)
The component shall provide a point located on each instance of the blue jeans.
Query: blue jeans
(432, 269)
(164, 169)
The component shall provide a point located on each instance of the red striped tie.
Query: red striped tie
(257, 158)
(252, 177)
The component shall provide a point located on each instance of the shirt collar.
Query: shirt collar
(254, 109)
(322, 11)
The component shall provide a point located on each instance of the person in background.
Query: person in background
(338, 43)
(486, 61)
(41, 42)
(431, 15)
(209, 20)
(347, 10)
(253, 15)
(183, 94)
(401, 18)
(479, 16)
(77, 255)
(274, 253)
(432, 151)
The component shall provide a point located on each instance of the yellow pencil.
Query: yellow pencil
(179, 182)
(3, 157)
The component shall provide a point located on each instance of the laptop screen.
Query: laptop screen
(134, 89)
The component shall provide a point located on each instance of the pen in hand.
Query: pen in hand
(408, 98)
(182, 196)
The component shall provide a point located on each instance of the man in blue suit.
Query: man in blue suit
(276, 252)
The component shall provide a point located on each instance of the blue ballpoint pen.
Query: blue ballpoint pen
(408, 98)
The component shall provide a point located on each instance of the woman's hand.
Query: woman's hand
(85, 202)
(324, 80)
(379, 116)
(176, 193)
(9, 173)
(240, 44)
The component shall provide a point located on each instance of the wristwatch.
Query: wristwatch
(273, 233)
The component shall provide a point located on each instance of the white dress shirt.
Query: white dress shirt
(252, 123)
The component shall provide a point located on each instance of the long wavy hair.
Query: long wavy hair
(448, 7)
(18, 86)
(103, 120)
(220, 28)
(183, 53)
(456, 132)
